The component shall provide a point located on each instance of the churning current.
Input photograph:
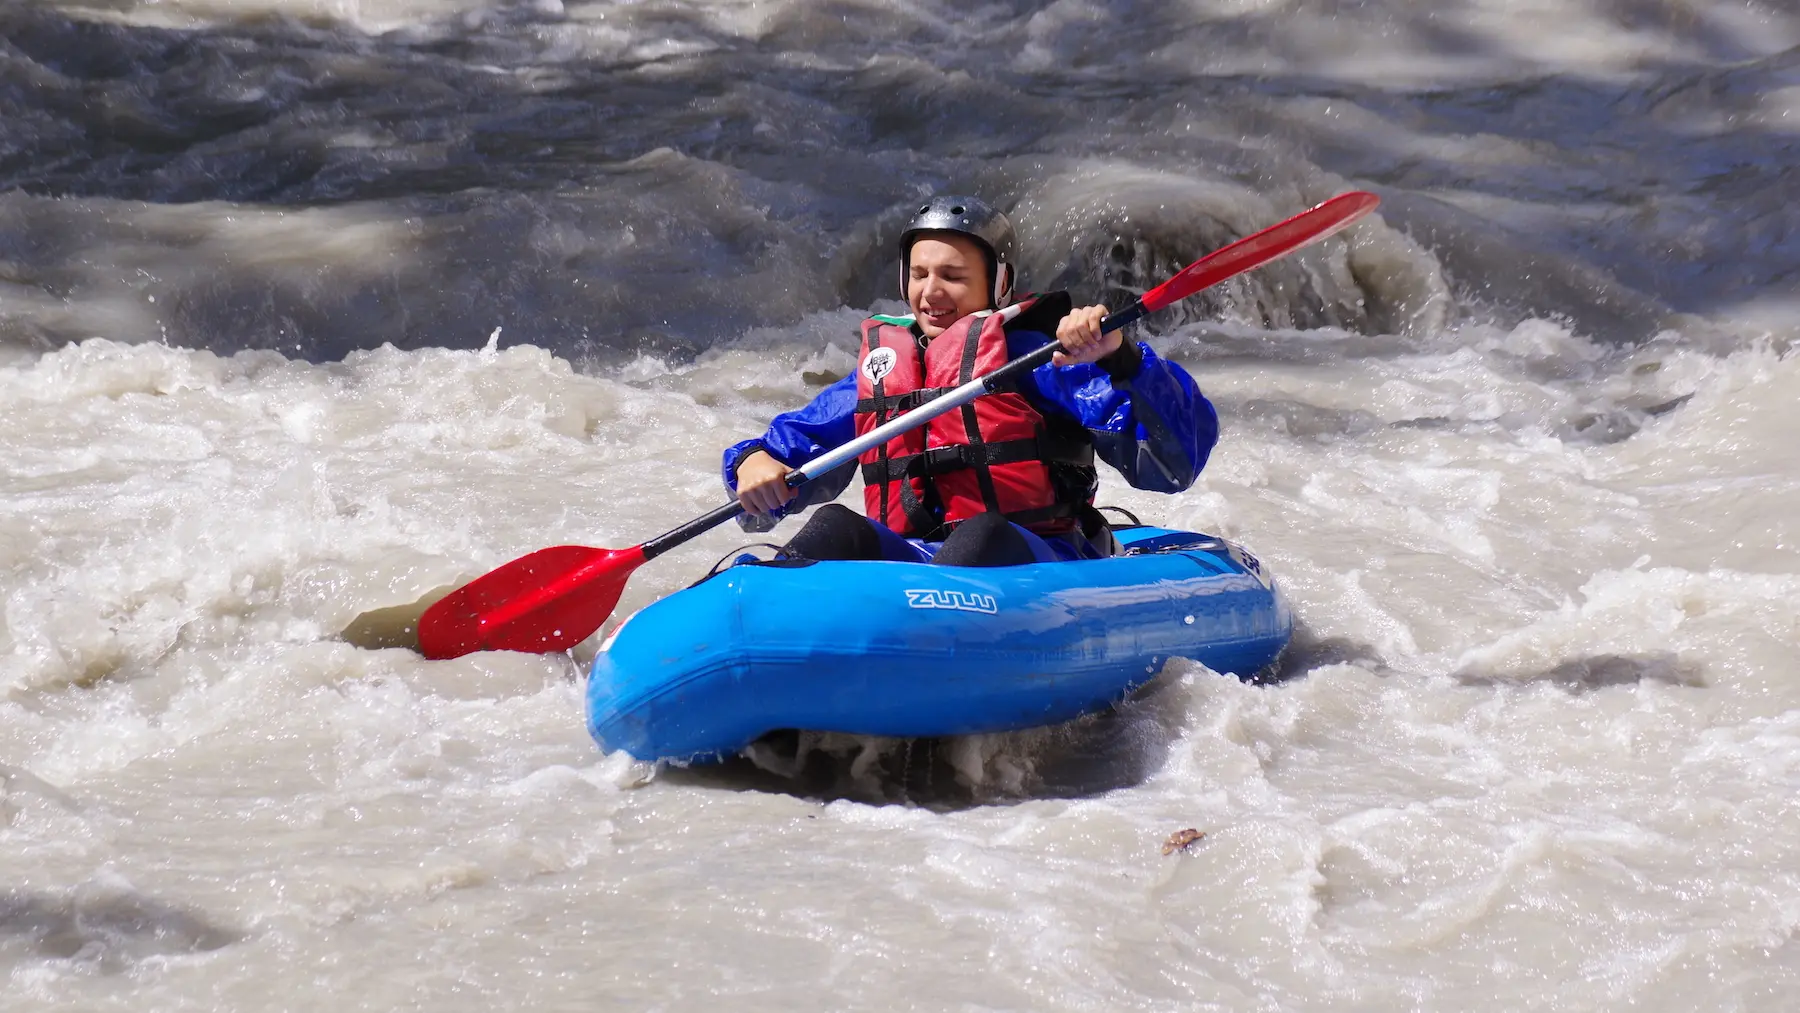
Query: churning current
(311, 309)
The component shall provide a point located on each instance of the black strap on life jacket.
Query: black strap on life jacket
(881, 452)
(921, 515)
(1045, 447)
(882, 404)
(979, 459)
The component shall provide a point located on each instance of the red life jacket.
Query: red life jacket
(994, 453)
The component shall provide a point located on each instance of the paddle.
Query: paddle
(555, 598)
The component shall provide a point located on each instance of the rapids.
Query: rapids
(312, 309)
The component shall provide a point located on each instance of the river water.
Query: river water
(310, 309)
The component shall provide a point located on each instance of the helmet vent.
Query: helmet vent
(958, 209)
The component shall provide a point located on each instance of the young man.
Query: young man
(1007, 479)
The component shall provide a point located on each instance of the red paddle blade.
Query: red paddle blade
(548, 601)
(1259, 248)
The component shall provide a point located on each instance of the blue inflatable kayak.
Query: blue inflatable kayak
(914, 650)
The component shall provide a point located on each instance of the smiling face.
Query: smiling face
(946, 280)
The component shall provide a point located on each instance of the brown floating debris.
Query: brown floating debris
(1180, 839)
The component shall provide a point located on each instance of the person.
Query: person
(1006, 479)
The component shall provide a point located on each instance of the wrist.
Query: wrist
(749, 453)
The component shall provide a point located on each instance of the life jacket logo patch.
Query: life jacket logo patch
(879, 363)
(956, 601)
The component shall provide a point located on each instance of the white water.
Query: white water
(1519, 450)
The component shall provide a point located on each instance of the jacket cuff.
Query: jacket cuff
(734, 455)
(1125, 363)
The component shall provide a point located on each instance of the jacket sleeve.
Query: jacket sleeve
(794, 438)
(1146, 415)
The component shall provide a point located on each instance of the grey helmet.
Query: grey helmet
(972, 217)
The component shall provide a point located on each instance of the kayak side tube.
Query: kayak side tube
(911, 649)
